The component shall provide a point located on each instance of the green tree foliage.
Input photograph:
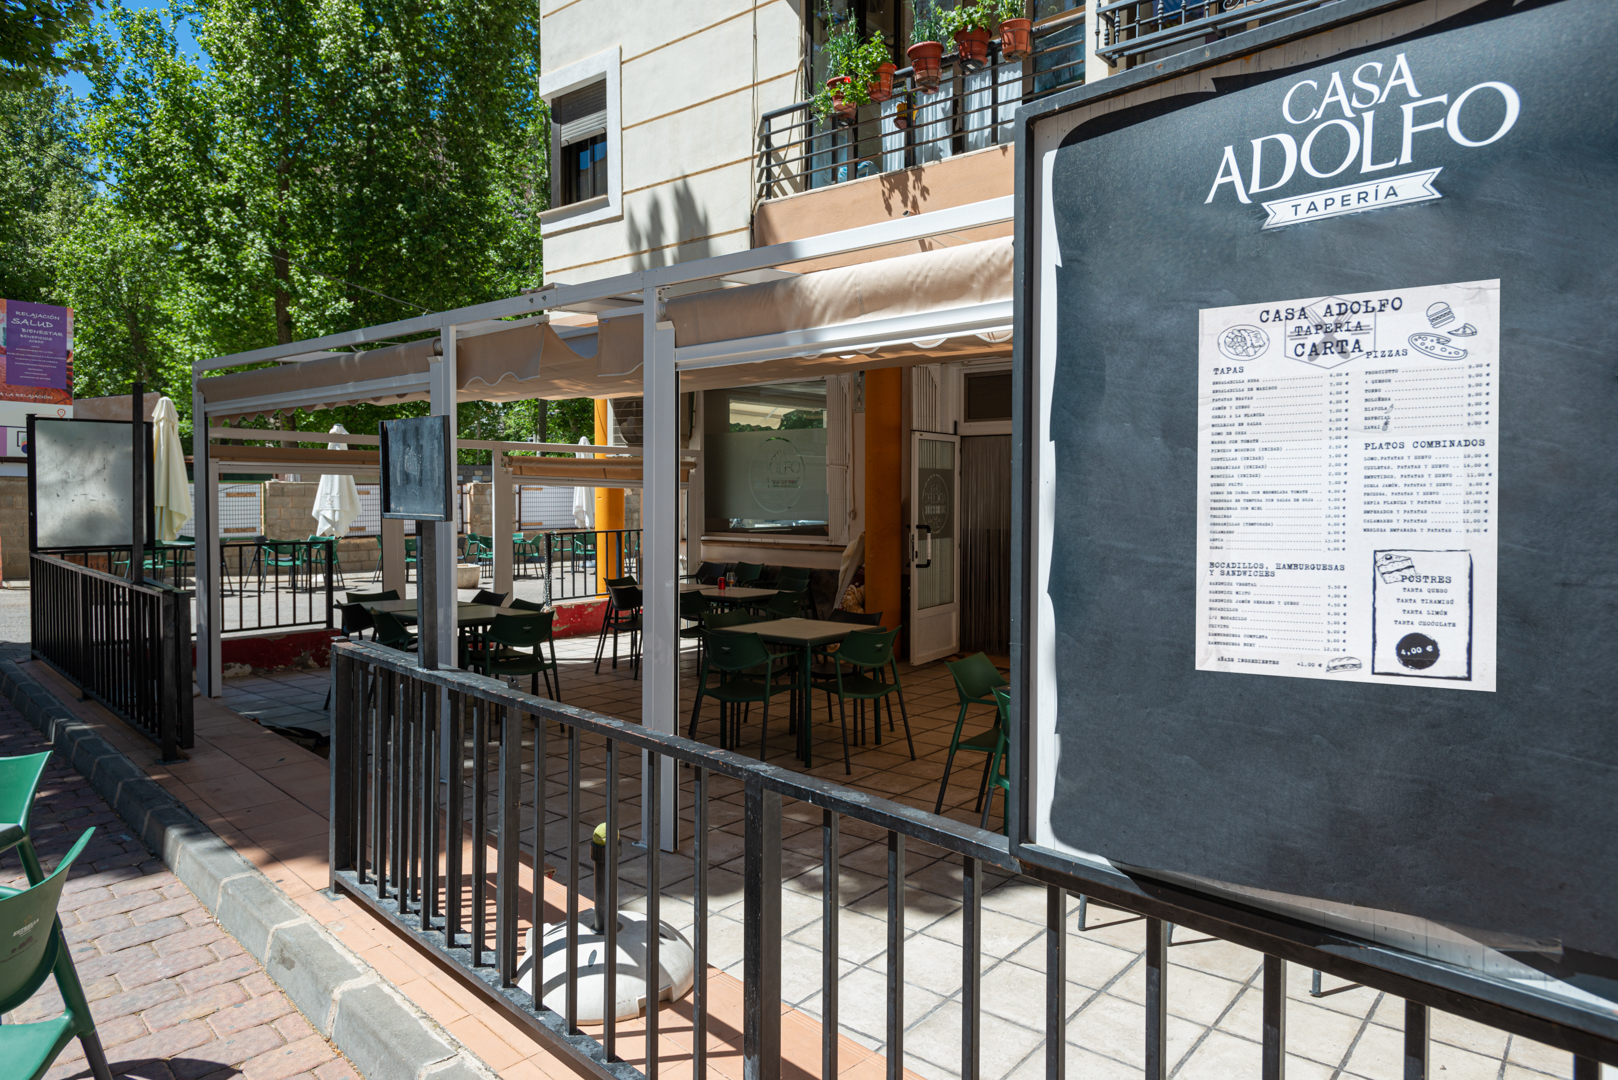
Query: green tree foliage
(30, 33)
(340, 163)
(43, 186)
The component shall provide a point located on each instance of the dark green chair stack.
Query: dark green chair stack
(868, 656)
(976, 678)
(35, 951)
(745, 672)
(514, 646)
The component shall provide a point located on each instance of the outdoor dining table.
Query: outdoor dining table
(804, 635)
(468, 616)
(737, 595)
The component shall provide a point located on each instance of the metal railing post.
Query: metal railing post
(761, 935)
(971, 966)
(1055, 982)
(1157, 1016)
(344, 768)
(1418, 1030)
(1275, 1018)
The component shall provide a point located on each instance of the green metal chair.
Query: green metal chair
(504, 641)
(390, 632)
(746, 673)
(719, 620)
(976, 678)
(527, 605)
(748, 573)
(379, 549)
(869, 656)
(282, 555)
(313, 557)
(693, 606)
(994, 772)
(480, 549)
(36, 950)
(19, 780)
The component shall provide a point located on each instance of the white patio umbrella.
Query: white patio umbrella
(584, 499)
(337, 499)
(170, 496)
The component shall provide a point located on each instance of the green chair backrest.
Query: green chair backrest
(975, 677)
(716, 620)
(871, 648)
(785, 605)
(490, 597)
(19, 779)
(410, 546)
(747, 572)
(527, 605)
(390, 631)
(521, 631)
(735, 652)
(373, 597)
(27, 925)
(1002, 701)
(693, 605)
(792, 579)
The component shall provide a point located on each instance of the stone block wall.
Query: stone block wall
(289, 515)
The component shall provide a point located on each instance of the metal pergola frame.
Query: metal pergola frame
(641, 292)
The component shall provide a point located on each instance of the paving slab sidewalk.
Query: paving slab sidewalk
(173, 995)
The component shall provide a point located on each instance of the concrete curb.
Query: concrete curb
(382, 1033)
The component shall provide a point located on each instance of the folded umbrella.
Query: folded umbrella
(171, 495)
(584, 499)
(337, 499)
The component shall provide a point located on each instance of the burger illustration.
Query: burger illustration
(1439, 314)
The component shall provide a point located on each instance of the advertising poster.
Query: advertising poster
(1322, 478)
(36, 368)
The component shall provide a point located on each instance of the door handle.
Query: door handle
(915, 554)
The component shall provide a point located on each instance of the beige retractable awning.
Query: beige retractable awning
(531, 360)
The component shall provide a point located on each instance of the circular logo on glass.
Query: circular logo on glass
(777, 474)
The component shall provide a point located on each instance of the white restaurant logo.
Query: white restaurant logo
(1276, 158)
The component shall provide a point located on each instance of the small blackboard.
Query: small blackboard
(416, 472)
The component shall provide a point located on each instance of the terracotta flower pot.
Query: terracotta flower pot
(973, 45)
(840, 107)
(926, 61)
(882, 88)
(1016, 38)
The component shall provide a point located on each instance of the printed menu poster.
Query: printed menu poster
(1346, 471)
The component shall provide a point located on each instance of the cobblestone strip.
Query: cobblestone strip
(339, 995)
(173, 995)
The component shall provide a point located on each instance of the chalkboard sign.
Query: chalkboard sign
(416, 471)
(80, 495)
(1321, 478)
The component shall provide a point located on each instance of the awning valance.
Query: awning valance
(530, 360)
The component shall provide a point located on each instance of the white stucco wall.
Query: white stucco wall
(694, 78)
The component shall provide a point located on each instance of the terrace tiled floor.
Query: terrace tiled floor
(1214, 989)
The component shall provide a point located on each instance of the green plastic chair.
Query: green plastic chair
(748, 573)
(526, 605)
(994, 772)
(35, 951)
(378, 540)
(693, 606)
(391, 633)
(746, 673)
(508, 636)
(373, 597)
(869, 657)
(783, 605)
(976, 678)
(719, 620)
(19, 780)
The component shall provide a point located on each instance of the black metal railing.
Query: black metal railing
(445, 863)
(264, 584)
(127, 646)
(970, 110)
(569, 560)
(1133, 28)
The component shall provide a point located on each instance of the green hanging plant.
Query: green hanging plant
(850, 59)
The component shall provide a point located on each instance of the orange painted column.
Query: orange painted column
(884, 490)
(609, 512)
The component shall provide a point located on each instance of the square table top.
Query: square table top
(466, 613)
(798, 631)
(737, 592)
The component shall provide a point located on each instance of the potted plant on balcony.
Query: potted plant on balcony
(927, 54)
(861, 72)
(1016, 30)
(970, 25)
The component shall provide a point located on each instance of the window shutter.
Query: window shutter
(579, 113)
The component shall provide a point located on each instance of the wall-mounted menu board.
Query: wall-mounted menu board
(1321, 479)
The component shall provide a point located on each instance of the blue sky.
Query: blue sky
(188, 44)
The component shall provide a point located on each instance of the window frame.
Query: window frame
(602, 67)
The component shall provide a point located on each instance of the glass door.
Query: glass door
(935, 546)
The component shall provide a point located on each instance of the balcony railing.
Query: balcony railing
(970, 110)
(1131, 28)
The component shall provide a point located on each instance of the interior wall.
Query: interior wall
(884, 520)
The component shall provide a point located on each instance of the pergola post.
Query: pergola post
(445, 388)
(395, 574)
(503, 522)
(205, 527)
(659, 564)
